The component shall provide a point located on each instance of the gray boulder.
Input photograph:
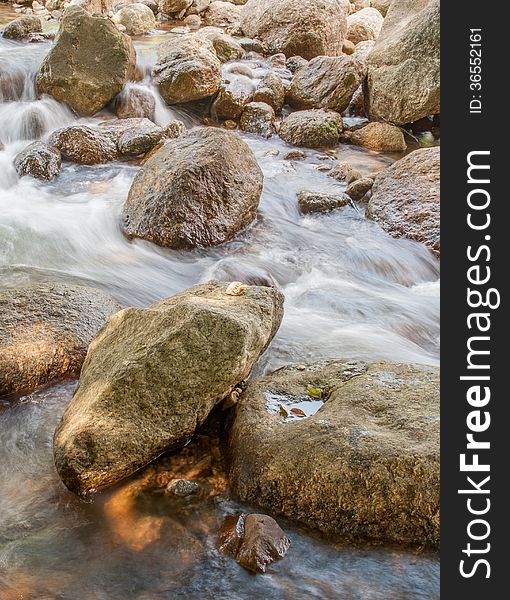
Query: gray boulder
(153, 375)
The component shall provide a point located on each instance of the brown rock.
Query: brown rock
(405, 198)
(38, 160)
(312, 128)
(198, 190)
(45, 331)
(378, 136)
(83, 145)
(153, 375)
(326, 82)
(304, 28)
(88, 64)
(320, 202)
(365, 466)
(187, 69)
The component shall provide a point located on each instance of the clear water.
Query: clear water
(351, 291)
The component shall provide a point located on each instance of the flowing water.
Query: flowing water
(351, 291)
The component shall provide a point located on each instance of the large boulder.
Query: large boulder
(364, 466)
(38, 160)
(89, 63)
(22, 27)
(187, 69)
(45, 331)
(403, 83)
(152, 376)
(222, 14)
(198, 190)
(137, 18)
(405, 198)
(306, 28)
(312, 128)
(364, 25)
(326, 82)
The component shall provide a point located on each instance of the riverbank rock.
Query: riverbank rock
(365, 466)
(137, 18)
(364, 25)
(22, 27)
(88, 64)
(45, 331)
(187, 69)
(378, 136)
(255, 541)
(312, 128)
(405, 198)
(403, 82)
(152, 376)
(305, 28)
(326, 82)
(173, 7)
(198, 190)
(38, 160)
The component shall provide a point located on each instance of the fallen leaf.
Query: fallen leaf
(298, 411)
(283, 411)
(315, 393)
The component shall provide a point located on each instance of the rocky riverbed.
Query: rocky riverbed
(219, 299)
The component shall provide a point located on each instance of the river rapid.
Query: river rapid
(350, 290)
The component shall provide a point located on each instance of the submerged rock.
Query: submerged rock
(198, 190)
(22, 27)
(326, 82)
(45, 331)
(403, 81)
(365, 466)
(405, 198)
(312, 128)
(254, 540)
(320, 202)
(304, 28)
(187, 69)
(88, 64)
(153, 375)
(38, 160)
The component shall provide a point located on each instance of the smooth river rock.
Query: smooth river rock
(405, 198)
(45, 331)
(198, 190)
(153, 375)
(312, 128)
(88, 64)
(365, 466)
